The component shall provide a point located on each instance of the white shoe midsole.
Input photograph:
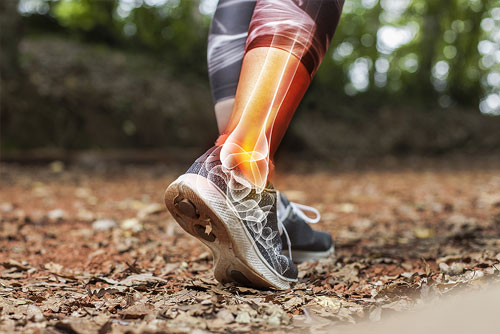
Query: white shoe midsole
(304, 256)
(243, 245)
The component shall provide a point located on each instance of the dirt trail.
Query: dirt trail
(93, 251)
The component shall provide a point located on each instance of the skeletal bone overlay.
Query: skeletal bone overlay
(285, 43)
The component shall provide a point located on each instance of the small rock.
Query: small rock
(131, 224)
(225, 315)
(56, 214)
(457, 268)
(423, 233)
(347, 208)
(6, 207)
(474, 274)
(34, 313)
(85, 215)
(104, 224)
(243, 318)
(274, 319)
(444, 267)
(454, 269)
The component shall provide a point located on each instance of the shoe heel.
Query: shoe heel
(184, 208)
(197, 217)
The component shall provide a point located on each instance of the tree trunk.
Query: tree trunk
(430, 36)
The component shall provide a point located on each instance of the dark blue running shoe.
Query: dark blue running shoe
(305, 243)
(235, 220)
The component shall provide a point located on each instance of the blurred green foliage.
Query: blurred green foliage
(423, 52)
(405, 56)
(83, 14)
(174, 31)
(427, 51)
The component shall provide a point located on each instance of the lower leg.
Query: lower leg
(286, 43)
(226, 47)
(271, 85)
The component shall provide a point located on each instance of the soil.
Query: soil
(92, 250)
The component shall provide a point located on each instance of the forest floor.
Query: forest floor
(94, 251)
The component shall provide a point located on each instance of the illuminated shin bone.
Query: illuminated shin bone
(281, 34)
(287, 39)
(247, 148)
(258, 102)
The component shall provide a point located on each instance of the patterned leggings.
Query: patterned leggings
(302, 27)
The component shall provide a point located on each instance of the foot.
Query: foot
(306, 244)
(236, 220)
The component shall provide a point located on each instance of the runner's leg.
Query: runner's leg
(226, 47)
(286, 42)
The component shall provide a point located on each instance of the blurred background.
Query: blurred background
(400, 77)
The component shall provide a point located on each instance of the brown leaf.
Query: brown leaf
(16, 265)
(137, 311)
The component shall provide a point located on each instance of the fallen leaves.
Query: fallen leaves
(97, 254)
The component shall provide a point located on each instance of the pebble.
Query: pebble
(243, 318)
(274, 319)
(34, 313)
(131, 224)
(56, 214)
(104, 224)
(6, 207)
(225, 315)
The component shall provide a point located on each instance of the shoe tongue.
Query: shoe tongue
(283, 199)
(281, 210)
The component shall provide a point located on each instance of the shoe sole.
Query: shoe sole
(304, 256)
(202, 210)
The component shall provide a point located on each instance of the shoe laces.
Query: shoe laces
(299, 210)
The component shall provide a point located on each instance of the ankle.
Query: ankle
(252, 165)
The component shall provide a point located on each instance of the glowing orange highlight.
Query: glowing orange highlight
(272, 83)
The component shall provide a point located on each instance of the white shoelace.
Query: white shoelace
(299, 210)
(287, 239)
